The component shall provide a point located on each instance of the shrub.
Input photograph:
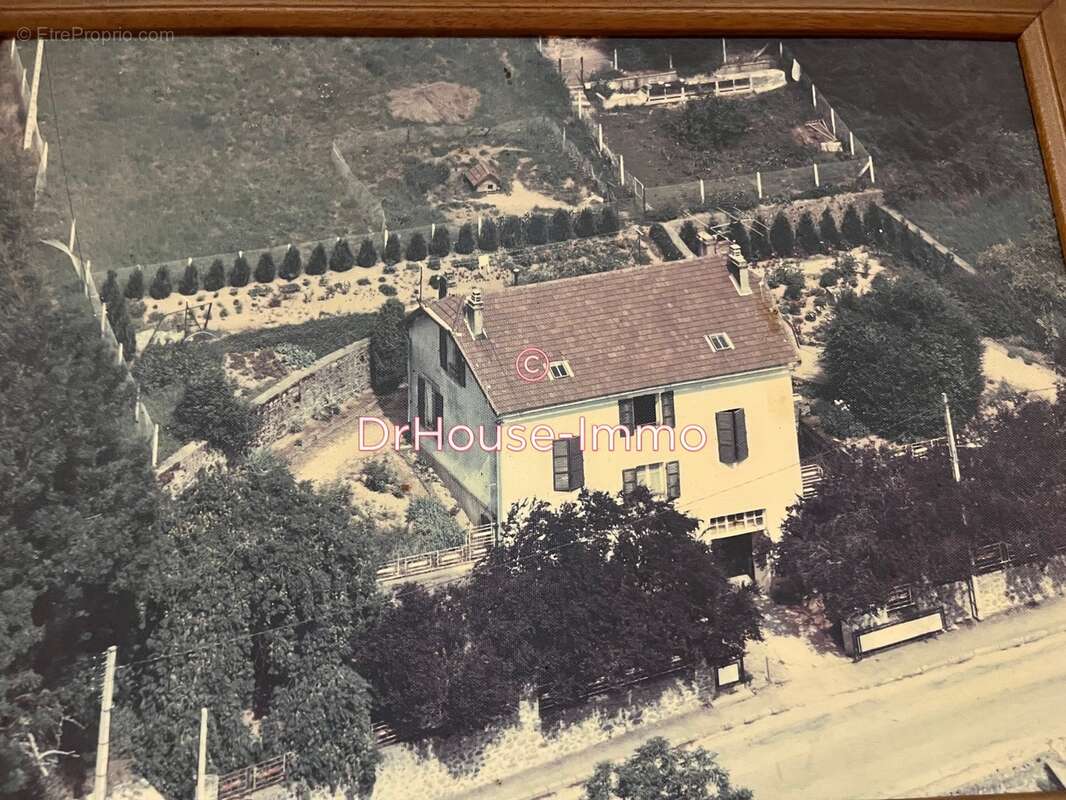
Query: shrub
(341, 259)
(512, 233)
(851, 228)
(393, 249)
(240, 273)
(489, 240)
(782, 239)
(536, 229)
(190, 280)
(160, 288)
(872, 224)
(265, 270)
(827, 229)
(294, 356)
(807, 235)
(690, 236)
(440, 243)
(829, 277)
(432, 526)
(608, 221)
(793, 281)
(712, 122)
(363, 282)
(379, 476)
(215, 278)
(738, 234)
(135, 285)
(416, 248)
(465, 243)
(760, 240)
(291, 264)
(387, 289)
(838, 420)
(585, 224)
(562, 226)
(209, 410)
(316, 264)
(368, 254)
(663, 241)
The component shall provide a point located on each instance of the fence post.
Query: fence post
(616, 58)
(479, 223)
(31, 112)
(703, 194)
(42, 169)
(155, 446)
(600, 135)
(780, 49)
(758, 183)
(816, 181)
(119, 359)
(871, 163)
(851, 142)
(384, 237)
(103, 318)
(814, 96)
(833, 119)
(622, 170)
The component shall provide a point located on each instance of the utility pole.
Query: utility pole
(103, 740)
(952, 448)
(201, 765)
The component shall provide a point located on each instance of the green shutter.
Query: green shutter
(666, 402)
(629, 480)
(673, 480)
(740, 434)
(460, 368)
(560, 465)
(625, 413)
(420, 412)
(442, 348)
(577, 464)
(723, 421)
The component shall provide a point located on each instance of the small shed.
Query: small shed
(482, 178)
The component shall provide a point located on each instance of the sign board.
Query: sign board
(727, 675)
(896, 632)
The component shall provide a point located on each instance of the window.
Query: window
(560, 369)
(451, 360)
(738, 523)
(568, 464)
(646, 409)
(430, 404)
(438, 409)
(732, 436)
(659, 479)
(719, 342)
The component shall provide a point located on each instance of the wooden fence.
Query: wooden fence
(479, 541)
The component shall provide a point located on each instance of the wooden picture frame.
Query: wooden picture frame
(1038, 27)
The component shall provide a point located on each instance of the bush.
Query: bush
(793, 281)
(829, 277)
(536, 229)
(738, 234)
(190, 280)
(512, 233)
(215, 278)
(838, 421)
(388, 347)
(368, 254)
(608, 221)
(760, 240)
(265, 270)
(416, 248)
(585, 224)
(160, 288)
(872, 224)
(465, 243)
(690, 236)
(291, 264)
(712, 122)
(851, 228)
(240, 273)
(209, 410)
(827, 229)
(432, 526)
(379, 476)
(341, 259)
(562, 227)
(387, 289)
(135, 285)
(440, 243)
(807, 235)
(489, 239)
(295, 357)
(663, 241)
(316, 264)
(782, 239)
(393, 249)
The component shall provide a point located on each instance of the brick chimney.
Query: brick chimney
(738, 269)
(475, 315)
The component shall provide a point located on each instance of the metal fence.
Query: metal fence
(479, 542)
(242, 782)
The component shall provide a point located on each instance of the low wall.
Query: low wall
(179, 471)
(1013, 587)
(836, 203)
(332, 380)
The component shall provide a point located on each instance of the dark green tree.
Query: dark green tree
(807, 235)
(368, 254)
(118, 315)
(465, 243)
(160, 288)
(891, 352)
(190, 280)
(215, 278)
(712, 122)
(317, 263)
(562, 226)
(341, 259)
(658, 771)
(827, 229)
(690, 236)
(440, 242)
(782, 239)
(209, 410)
(872, 224)
(760, 240)
(388, 347)
(851, 229)
(536, 229)
(416, 248)
(738, 234)
(265, 269)
(585, 223)
(608, 221)
(291, 264)
(393, 249)
(512, 233)
(240, 273)
(489, 239)
(135, 285)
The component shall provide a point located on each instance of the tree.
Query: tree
(608, 221)
(440, 242)
(827, 229)
(265, 269)
(890, 353)
(316, 264)
(871, 223)
(190, 280)
(465, 243)
(760, 240)
(738, 234)
(807, 235)
(782, 239)
(851, 229)
(536, 229)
(562, 227)
(489, 240)
(271, 554)
(388, 347)
(658, 771)
(240, 273)
(215, 278)
(512, 233)
(291, 264)
(585, 224)
(160, 288)
(209, 410)
(118, 316)
(393, 249)
(690, 236)
(135, 285)
(416, 248)
(712, 122)
(341, 259)
(368, 254)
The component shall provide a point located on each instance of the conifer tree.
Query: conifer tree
(738, 234)
(585, 223)
(782, 239)
(341, 259)
(291, 264)
(160, 288)
(760, 240)
(562, 226)
(441, 242)
(512, 234)
(240, 273)
(851, 228)
(536, 229)
(135, 285)
(416, 248)
(465, 243)
(608, 221)
(316, 264)
(871, 224)
(827, 228)
(190, 280)
(215, 278)
(393, 249)
(489, 240)
(265, 270)
(807, 235)
(368, 254)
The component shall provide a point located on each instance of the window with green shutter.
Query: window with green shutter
(568, 464)
(732, 436)
(666, 403)
(673, 480)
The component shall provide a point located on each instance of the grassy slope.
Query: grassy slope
(209, 145)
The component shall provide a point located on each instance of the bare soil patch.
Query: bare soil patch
(434, 102)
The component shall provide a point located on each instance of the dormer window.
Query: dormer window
(719, 341)
(560, 369)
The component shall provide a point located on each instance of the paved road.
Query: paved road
(920, 735)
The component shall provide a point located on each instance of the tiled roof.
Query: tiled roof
(479, 173)
(621, 331)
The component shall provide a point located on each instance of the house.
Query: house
(558, 382)
(482, 178)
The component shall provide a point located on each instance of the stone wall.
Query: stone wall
(332, 380)
(1013, 587)
(180, 470)
(837, 204)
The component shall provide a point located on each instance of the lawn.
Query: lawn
(203, 145)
